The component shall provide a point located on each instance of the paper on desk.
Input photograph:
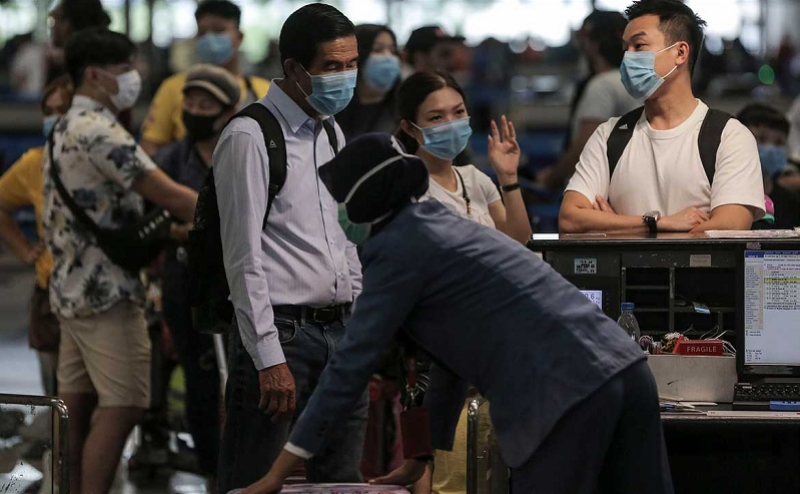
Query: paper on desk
(753, 414)
(753, 233)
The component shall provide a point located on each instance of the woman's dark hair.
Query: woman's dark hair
(96, 47)
(606, 28)
(366, 35)
(307, 28)
(413, 92)
(220, 8)
(84, 14)
(761, 115)
(677, 21)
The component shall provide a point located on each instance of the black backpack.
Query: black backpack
(212, 312)
(708, 141)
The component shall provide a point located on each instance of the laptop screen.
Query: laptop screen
(772, 308)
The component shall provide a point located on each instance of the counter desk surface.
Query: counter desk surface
(546, 241)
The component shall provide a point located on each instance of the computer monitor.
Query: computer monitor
(769, 331)
(596, 296)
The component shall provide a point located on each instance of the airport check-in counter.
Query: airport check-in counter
(695, 284)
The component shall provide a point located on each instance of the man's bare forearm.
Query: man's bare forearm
(577, 220)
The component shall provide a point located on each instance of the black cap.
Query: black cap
(373, 176)
(423, 39)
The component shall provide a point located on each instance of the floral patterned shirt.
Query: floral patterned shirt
(98, 161)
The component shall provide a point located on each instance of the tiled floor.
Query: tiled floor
(19, 374)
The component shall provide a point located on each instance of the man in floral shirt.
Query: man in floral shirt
(104, 356)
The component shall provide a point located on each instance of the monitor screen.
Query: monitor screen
(595, 296)
(772, 308)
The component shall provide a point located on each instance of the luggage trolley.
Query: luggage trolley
(35, 427)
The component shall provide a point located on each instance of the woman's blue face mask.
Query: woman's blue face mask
(447, 140)
(382, 71)
(48, 123)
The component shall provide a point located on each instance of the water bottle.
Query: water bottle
(628, 322)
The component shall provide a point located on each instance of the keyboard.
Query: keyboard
(747, 396)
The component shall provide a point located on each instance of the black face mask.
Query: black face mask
(200, 127)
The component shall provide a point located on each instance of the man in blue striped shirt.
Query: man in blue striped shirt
(292, 283)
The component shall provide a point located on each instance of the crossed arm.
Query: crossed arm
(579, 215)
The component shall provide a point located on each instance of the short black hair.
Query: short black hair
(220, 8)
(677, 21)
(96, 47)
(310, 26)
(761, 115)
(607, 28)
(84, 14)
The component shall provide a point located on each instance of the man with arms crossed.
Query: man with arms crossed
(660, 183)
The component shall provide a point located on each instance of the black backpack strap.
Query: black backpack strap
(620, 136)
(76, 210)
(326, 124)
(276, 149)
(709, 139)
(248, 85)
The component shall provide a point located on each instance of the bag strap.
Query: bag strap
(276, 149)
(332, 138)
(76, 210)
(620, 136)
(248, 85)
(709, 140)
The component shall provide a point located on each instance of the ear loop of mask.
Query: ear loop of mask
(676, 65)
(297, 83)
(107, 74)
(381, 218)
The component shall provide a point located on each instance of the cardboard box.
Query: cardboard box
(693, 378)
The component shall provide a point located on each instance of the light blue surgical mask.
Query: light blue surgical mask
(215, 48)
(382, 71)
(639, 73)
(773, 159)
(331, 93)
(48, 123)
(447, 140)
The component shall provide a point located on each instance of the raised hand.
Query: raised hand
(504, 153)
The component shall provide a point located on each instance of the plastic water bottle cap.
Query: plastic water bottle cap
(627, 306)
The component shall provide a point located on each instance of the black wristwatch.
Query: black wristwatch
(650, 219)
(510, 187)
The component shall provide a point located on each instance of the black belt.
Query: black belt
(323, 315)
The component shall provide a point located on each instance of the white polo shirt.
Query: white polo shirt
(661, 169)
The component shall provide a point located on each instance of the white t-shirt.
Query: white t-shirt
(661, 169)
(604, 97)
(29, 70)
(480, 190)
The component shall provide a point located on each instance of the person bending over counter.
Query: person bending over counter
(563, 379)
(657, 180)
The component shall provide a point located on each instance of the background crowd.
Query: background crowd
(170, 104)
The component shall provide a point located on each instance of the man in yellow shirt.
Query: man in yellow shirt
(21, 186)
(218, 42)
